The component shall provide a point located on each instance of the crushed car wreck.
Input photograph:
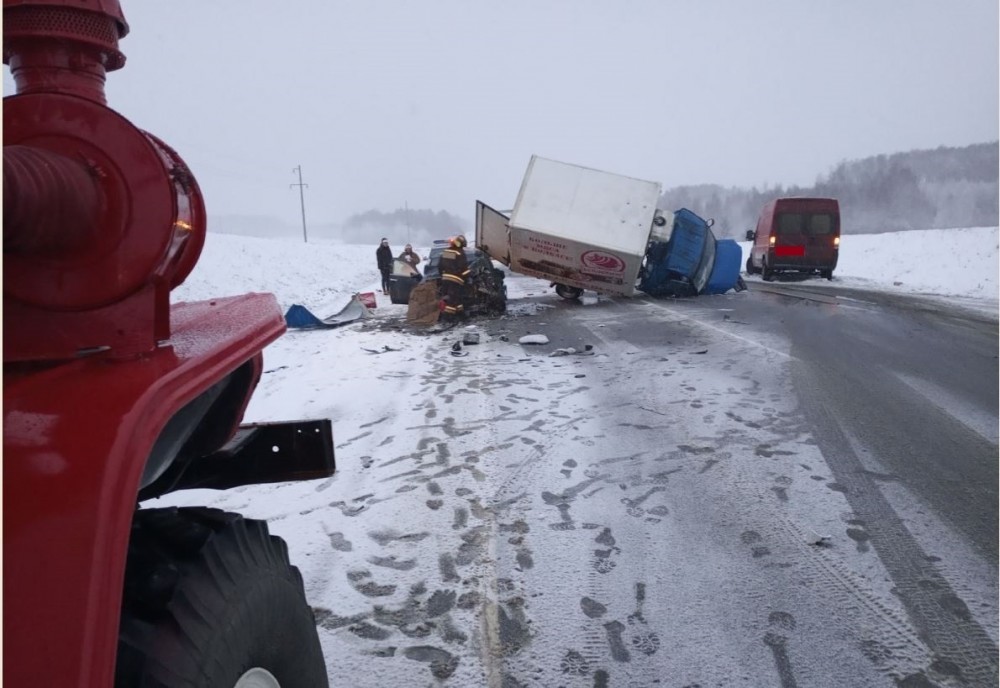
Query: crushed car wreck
(486, 295)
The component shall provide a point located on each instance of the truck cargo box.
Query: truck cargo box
(574, 225)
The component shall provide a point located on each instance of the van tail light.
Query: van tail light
(836, 242)
(772, 240)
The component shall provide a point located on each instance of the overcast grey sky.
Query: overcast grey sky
(442, 102)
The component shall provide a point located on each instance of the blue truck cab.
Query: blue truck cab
(691, 261)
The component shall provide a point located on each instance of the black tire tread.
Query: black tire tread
(199, 581)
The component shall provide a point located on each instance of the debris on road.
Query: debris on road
(384, 350)
(570, 351)
(814, 538)
(534, 339)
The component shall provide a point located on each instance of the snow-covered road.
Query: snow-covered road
(641, 512)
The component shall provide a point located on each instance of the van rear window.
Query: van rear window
(805, 223)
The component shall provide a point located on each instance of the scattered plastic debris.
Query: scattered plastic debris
(385, 349)
(470, 338)
(814, 538)
(588, 300)
(570, 351)
(534, 339)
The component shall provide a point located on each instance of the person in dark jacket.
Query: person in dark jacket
(384, 255)
(454, 277)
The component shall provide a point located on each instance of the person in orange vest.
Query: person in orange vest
(454, 278)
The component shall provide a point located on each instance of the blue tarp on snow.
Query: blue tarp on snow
(301, 317)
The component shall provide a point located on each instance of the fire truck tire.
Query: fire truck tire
(210, 597)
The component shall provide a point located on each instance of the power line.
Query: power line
(302, 201)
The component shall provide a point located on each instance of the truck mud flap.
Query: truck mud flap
(266, 453)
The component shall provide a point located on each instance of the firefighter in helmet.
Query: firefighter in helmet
(454, 278)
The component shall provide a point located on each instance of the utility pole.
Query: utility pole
(406, 207)
(302, 201)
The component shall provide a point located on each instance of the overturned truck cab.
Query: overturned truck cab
(690, 261)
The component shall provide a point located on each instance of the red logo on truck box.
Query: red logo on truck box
(603, 261)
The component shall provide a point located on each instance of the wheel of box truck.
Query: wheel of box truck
(568, 292)
(750, 268)
(211, 600)
(826, 274)
(766, 271)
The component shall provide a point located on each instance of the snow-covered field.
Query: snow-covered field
(952, 263)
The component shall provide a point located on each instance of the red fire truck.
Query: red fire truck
(112, 396)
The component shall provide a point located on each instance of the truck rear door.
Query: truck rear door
(492, 234)
(805, 238)
(789, 235)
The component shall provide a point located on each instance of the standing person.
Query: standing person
(384, 255)
(409, 257)
(454, 275)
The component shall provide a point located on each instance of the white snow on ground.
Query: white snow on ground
(955, 264)
(950, 263)
(340, 374)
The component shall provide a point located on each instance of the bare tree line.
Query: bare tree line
(926, 189)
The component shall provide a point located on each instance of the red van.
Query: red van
(796, 235)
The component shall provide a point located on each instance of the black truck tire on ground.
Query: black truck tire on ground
(568, 292)
(766, 272)
(750, 268)
(208, 596)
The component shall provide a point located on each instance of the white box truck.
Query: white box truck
(582, 228)
(577, 227)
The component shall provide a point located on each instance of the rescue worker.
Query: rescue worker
(454, 277)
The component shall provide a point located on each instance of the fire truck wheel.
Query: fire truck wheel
(211, 600)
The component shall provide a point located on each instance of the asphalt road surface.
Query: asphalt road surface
(786, 487)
